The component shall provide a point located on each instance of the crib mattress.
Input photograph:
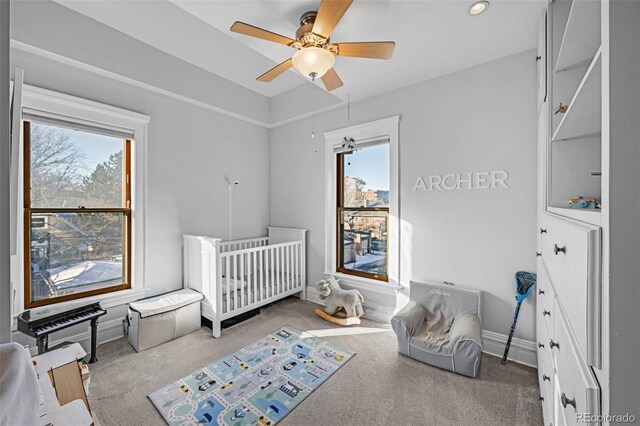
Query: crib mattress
(268, 290)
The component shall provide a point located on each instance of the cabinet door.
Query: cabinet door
(571, 254)
(541, 59)
(578, 390)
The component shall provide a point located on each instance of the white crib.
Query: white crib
(237, 276)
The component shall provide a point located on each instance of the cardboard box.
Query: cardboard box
(61, 380)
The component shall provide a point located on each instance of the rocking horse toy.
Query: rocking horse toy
(348, 303)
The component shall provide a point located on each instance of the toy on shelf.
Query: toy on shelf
(347, 303)
(582, 203)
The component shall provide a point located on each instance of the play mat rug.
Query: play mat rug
(257, 385)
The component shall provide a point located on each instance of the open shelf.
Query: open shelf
(591, 216)
(581, 37)
(583, 118)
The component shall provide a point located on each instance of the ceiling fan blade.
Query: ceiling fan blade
(372, 49)
(331, 80)
(250, 30)
(275, 71)
(329, 14)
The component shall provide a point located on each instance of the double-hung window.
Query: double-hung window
(362, 221)
(77, 211)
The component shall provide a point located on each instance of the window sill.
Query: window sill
(366, 284)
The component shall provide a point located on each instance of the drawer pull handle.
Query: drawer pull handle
(562, 108)
(545, 377)
(545, 312)
(566, 401)
(543, 231)
(557, 249)
(540, 291)
(541, 398)
(538, 254)
(553, 344)
(540, 345)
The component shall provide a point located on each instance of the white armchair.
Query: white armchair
(441, 326)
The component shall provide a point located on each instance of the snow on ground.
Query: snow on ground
(366, 259)
(87, 272)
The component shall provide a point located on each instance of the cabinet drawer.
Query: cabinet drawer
(571, 255)
(559, 416)
(578, 390)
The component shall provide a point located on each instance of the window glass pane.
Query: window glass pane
(71, 168)
(366, 177)
(76, 252)
(363, 241)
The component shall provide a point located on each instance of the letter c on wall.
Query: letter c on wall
(444, 182)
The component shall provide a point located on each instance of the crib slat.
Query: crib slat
(261, 268)
(279, 268)
(228, 281)
(292, 277)
(254, 276)
(284, 269)
(295, 268)
(243, 279)
(287, 274)
(273, 270)
(235, 282)
(291, 266)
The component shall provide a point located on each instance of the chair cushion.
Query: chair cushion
(434, 334)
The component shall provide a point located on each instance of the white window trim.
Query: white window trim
(108, 117)
(387, 127)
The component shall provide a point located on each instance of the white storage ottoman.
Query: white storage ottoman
(160, 319)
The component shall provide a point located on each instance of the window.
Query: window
(363, 212)
(362, 216)
(77, 212)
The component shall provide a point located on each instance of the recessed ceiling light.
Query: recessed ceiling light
(478, 7)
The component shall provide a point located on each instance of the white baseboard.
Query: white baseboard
(107, 331)
(521, 351)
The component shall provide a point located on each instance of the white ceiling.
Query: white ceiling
(432, 38)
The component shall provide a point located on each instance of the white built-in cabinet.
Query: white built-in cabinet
(580, 46)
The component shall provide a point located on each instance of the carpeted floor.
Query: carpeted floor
(377, 387)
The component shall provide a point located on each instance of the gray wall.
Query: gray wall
(190, 151)
(478, 119)
(5, 293)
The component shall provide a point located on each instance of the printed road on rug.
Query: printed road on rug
(257, 385)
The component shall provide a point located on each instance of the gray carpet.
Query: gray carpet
(377, 387)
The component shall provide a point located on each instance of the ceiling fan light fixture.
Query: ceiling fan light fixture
(313, 62)
(478, 7)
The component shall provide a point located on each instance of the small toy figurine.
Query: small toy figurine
(581, 203)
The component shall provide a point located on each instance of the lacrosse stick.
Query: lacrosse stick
(524, 283)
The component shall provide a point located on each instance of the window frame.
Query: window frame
(72, 109)
(340, 208)
(28, 210)
(378, 129)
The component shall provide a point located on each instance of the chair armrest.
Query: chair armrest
(466, 326)
(409, 319)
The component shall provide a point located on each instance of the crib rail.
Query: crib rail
(227, 246)
(256, 275)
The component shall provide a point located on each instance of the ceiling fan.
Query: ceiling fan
(316, 54)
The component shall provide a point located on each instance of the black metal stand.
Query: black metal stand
(43, 344)
(94, 340)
